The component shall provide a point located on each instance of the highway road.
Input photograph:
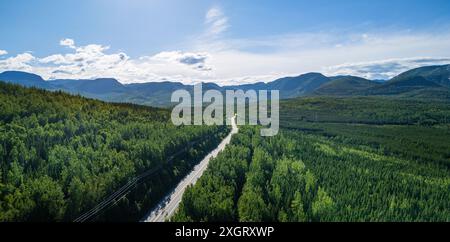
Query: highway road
(168, 206)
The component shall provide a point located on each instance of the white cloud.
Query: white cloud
(195, 60)
(19, 62)
(55, 59)
(214, 57)
(3, 52)
(384, 69)
(93, 61)
(216, 22)
(375, 56)
(68, 42)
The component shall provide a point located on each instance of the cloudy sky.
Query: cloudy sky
(227, 42)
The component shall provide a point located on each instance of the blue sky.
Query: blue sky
(231, 41)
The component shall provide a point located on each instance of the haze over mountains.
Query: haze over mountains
(424, 82)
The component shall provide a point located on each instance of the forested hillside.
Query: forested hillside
(365, 110)
(346, 159)
(60, 155)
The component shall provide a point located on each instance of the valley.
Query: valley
(349, 149)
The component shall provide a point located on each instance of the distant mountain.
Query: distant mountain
(289, 87)
(151, 93)
(433, 78)
(430, 82)
(156, 87)
(159, 93)
(345, 85)
(302, 85)
(24, 78)
(437, 74)
(245, 87)
(96, 86)
(426, 82)
(400, 86)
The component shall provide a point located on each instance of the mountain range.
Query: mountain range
(424, 82)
